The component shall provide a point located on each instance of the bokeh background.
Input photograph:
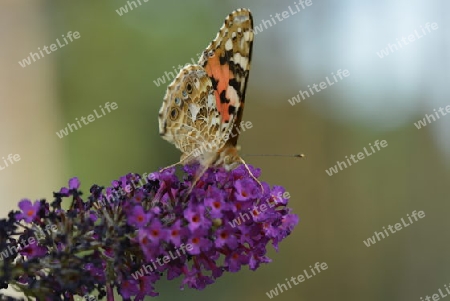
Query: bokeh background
(119, 58)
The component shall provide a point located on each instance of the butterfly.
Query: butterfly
(203, 106)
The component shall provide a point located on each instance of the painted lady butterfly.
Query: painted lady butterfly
(203, 106)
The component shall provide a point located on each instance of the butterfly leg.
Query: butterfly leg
(206, 162)
(186, 158)
(251, 174)
(202, 169)
(171, 165)
(183, 160)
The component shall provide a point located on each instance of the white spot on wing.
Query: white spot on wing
(194, 109)
(211, 101)
(240, 18)
(215, 120)
(212, 108)
(241, 60)
(247, 36)
(231, 94)
(228, 44)
(197, 84)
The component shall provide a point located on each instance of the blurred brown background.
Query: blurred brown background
(119, 59)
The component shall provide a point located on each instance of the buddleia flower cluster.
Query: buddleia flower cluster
(142, 229)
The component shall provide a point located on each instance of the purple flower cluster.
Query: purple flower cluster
(129, 235)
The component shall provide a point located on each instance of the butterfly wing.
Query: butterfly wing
(227, 62)
(204, 104)
(188, 117)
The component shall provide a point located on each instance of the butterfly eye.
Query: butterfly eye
(189, 88)
(174, 114)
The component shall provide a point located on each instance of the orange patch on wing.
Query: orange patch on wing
(222, 74)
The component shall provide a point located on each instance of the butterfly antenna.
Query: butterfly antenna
(274, 155)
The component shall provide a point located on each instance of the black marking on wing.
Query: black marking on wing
(214, 82)
(236, 85)
(223, 98)
(231, 110)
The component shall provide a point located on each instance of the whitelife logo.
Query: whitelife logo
(398, 226)
(147, 269)
(360, 155)
(53, 47)
(171, 75)
(11, 158)
(207, 147)
(256, 210)
(437, 297)
(302, 277)
(283, 16)
(40, 234)
(423, 122)
(124, 9)
(90, 118)
(391, 48)
(319, 87)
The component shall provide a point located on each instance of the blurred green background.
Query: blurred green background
(119, 58)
